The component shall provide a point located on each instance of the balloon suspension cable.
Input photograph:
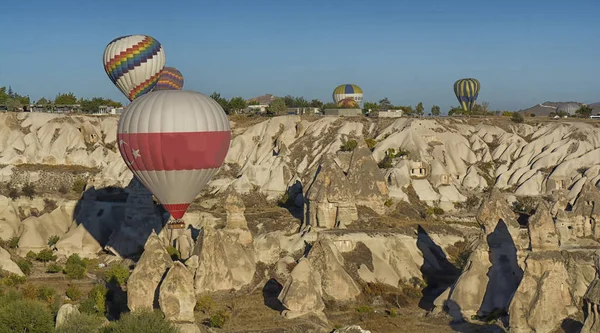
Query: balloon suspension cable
(176, 224)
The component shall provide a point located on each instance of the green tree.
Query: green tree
(277, 106)
(11, 94)
(435, 110)
(315, 103)
(43, 101)
(223, 102)
(65, 99)
(420, 109)
(385, 104)
(3, 95)
(253, 102)
(456, 111)
(373, 107)
(237, 104)
(584, 111)
(517, 117)
(289, 101)
(300, 102)
(93, 105)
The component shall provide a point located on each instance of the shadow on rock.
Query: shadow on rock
(437, 271)
(270, 292)
(118, 220)
(466, 327)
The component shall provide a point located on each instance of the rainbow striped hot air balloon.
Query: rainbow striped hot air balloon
(467, 91)
(170, 79)
(134, 64)
(348, 91)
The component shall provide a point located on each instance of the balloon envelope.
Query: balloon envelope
(347, 91)
(134, 63)
(170, 79)
(467, 91)
(174, 141)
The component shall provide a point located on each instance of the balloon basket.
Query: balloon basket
(177, 224)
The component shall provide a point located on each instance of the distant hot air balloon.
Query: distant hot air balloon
(134, 63)
(170, 79)
(348, 91)
(466, 91)
(174, 141)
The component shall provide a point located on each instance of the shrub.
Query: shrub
(371, 143)
(45, 255)
(98, 295)
(13, 280)
(204, 304)
(29, 291)
(28, 191)
(79, 185)
(364, 309)
(173, 252)
(52, 240)
(34, 212)
(25, 265)
(73, 293)
(80, 323)
(117, 274)
(349, 145)
(141, 322)
(54, 268)
(31, 255)
(388, 203)
(63, 189)
(13, 193)
(46, 293)
(75, 268)
(13, 242)
(517, 117)
(26, 316)
(219, 319)
(50, 205)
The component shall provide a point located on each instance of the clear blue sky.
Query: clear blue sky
(523, 52)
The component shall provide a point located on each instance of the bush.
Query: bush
(13, 280)
(219, 319)
(31, 255)
(141, 322)
(28, 191)
(80, 323)
(204, 304)
(388, 203)
(13, 242)
(52, 240)
(25, 316)
(173, 252)
(73, 293)
(25, 265)
(54, 268)
(29, 291)
(79, 185)
(117, 274)
(349, 145)
(63, 189)
(45, 255)
(46, 294)
(517, 117)
(364, 309)
(49, 206)
(371, 143)
(75, 268)
(98, 295)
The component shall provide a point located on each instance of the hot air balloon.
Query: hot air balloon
(134, 63)
(348, 91)
(466, 91)
(174, 141)
(348, 103)
(170, 79)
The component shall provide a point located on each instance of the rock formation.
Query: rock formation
(176, 296)
(302, 292)
(329, 201)
(365, 177)
(142, 286)
(592, 301)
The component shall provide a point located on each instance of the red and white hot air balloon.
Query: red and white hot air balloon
(174, 141)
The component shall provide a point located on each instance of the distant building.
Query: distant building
(343, 112)
(390, 113)
(38, 108)
(106, 110)
(301, 111)
(260, 108)
(67, 108)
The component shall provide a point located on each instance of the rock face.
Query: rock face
(327, 261)
(236, 220)
(224, 263)
(7, 264)
(64, 312)
(177, 298)
(329, 201)
(592, 301)
(365, 177)
(542, 233)
(302, 292)
(142, 286)
(544, 297)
